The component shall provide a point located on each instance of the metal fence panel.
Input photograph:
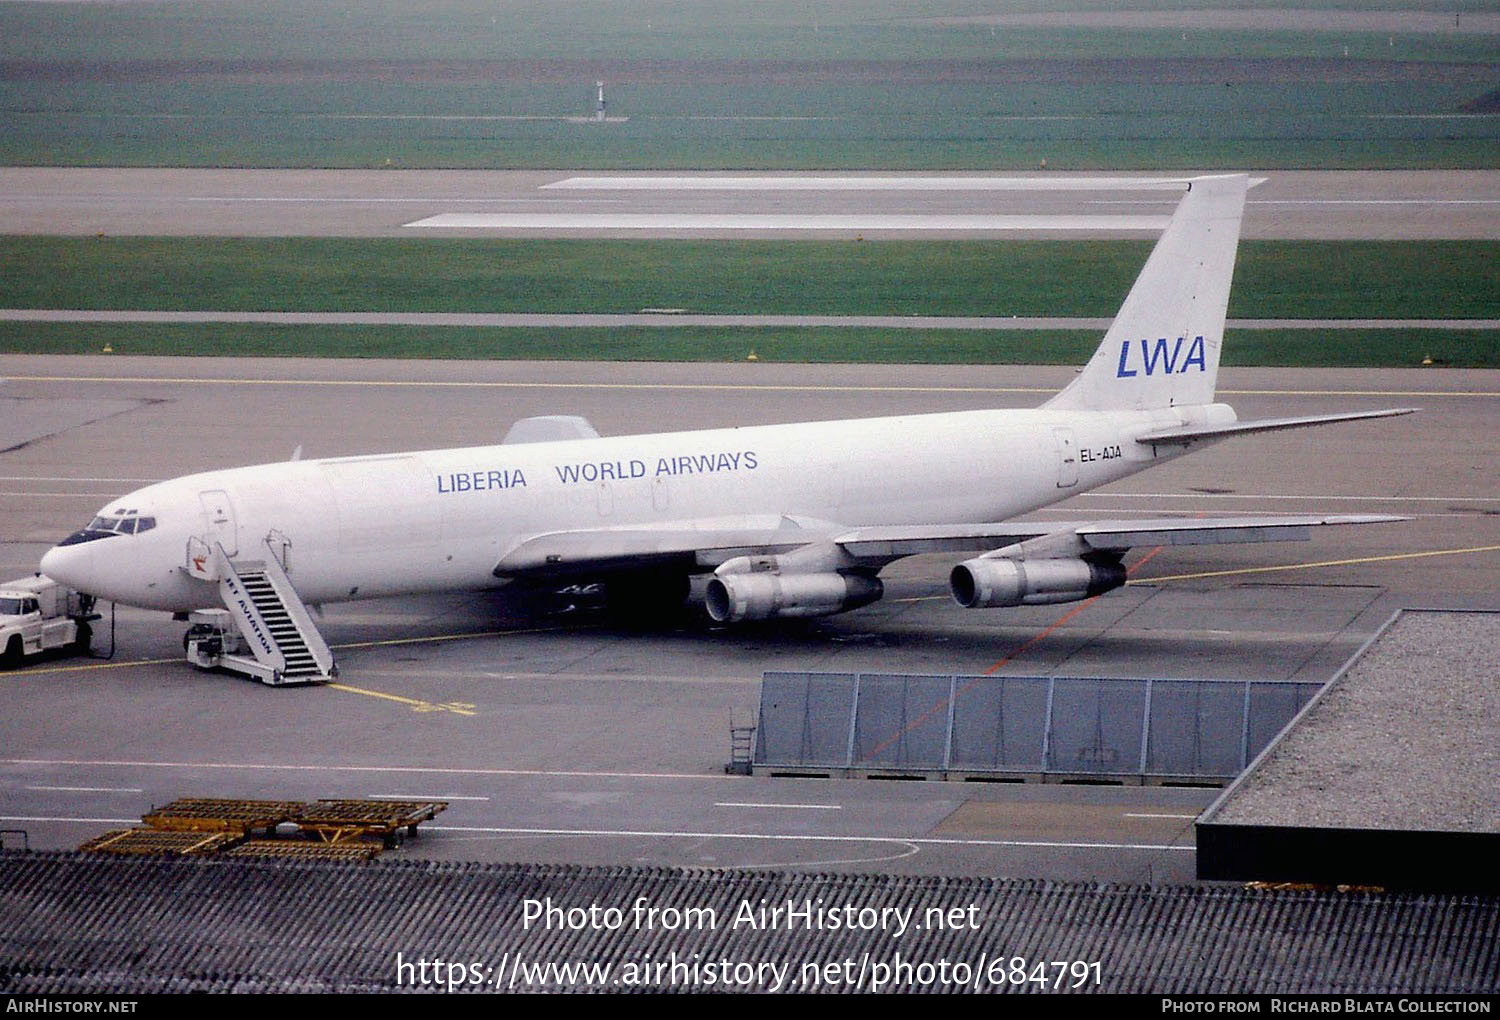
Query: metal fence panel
(998, 723)
(804, 719)
(1039, 725)
(1096, 726)
(902, 721)
(1196, 728)
(1272, 706)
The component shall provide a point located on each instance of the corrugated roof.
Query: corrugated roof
(76, 923)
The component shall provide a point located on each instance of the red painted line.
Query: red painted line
(943, 705)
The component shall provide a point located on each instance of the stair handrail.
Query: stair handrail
(246, 615)
(297, 610)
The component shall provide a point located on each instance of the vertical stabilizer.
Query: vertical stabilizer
(1163, 348)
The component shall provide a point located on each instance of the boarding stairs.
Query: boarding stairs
(273, 620)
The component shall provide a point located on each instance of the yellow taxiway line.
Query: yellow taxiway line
(1311, 565)
(415, 704)
(419, 705)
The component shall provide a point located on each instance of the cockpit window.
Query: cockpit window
(121, 522)
(127, 525)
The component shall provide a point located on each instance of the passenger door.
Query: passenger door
(219, 522)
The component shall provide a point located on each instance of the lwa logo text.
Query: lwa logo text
(1160, 357)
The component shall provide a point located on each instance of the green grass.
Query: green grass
(1274, 279)
(1297, 348)
(464, 30)
(880, 84)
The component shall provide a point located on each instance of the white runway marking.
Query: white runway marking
(681, 317)
(115, 380)
(1093, 514)
(395, 769)
(1267, 495)
(82, 821)
(672, 834)
(1376, 201)
(1130, 814)
(61, 478)
(1310, 201)
(674, 183)
(287, 200)
(767, 804)
(702, 221)
(420, 796)
(89, 789)
(676, 834)
(63, 495)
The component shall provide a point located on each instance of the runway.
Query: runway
(1335, 205)
(446, 696)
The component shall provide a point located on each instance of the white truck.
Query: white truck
(38, 614)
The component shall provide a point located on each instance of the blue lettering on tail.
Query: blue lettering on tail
(1162, 357)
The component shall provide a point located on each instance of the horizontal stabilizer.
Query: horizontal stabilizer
(1192, 433)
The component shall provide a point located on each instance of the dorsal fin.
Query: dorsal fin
(548, 428)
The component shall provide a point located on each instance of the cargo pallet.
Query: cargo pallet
(337, 821)
(348, 830)
(212, 814)
(307, 850)
(156, 841)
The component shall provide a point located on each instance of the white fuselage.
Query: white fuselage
(437, 520)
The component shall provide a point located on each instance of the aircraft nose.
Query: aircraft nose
(72, 565)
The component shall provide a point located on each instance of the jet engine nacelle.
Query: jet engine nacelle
(982, 582)
(759, 596)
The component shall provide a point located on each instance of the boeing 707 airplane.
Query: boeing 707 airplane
(789, 520)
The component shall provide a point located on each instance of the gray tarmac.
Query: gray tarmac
(561, 737)
(1335, 205)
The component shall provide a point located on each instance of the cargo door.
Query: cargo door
(1067, 458)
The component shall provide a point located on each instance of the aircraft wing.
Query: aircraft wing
(891, 543)
(1118, 536)
(708, 543)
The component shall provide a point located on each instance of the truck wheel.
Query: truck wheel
(13, 654)
(83, 638)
